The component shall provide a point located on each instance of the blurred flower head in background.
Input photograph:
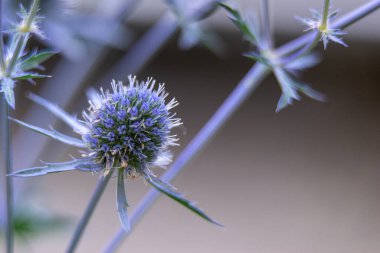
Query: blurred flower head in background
(77, 27)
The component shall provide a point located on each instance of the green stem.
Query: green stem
(6, 168)
(5, 156)
(32, 13)
(16, 53)
(326, 8)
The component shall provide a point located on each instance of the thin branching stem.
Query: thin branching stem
(6, 168)
(20, 44)
(326, 9)
(102, 183)
(145, 48)
(1, 39)
(266, 27)
(304, 50)
(32, 13)
(6, 156)
(250, 81)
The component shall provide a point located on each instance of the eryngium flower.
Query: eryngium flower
(130, 126)
(127, 129)
(327, 33)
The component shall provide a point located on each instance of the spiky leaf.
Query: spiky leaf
(122, 203)
(290, 88)
(169, 191)
(7, 86)
(49, 168)
(310, 92)
(240, 23)
(25, 76)
(54, 134)
(35, 60)
(257, 57)
(57, 111)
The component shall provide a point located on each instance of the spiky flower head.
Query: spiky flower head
(129, 126)
(317, 22)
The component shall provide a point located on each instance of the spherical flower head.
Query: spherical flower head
(130, 126)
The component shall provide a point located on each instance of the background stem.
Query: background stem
(6, 168)
(102, 183)
(6, 206)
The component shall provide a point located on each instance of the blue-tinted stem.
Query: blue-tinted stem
(6, 168)
(102, 183)
(6, 184)
(144, 49)
(241, 92)
(304, 50)
(1, 38)
(267, 29)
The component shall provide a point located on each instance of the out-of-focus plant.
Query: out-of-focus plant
(31, 217)
(75, 29)
(16, 64)
(193, 32)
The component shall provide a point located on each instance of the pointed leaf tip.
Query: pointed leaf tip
(7, 86)
(26, 76)
(49, 168)
(36, 59)
(163, 188)
(122, 203)
(54, 134)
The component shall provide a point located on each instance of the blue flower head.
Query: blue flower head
(129, 126)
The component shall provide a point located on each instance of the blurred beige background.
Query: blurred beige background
(303, 180)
